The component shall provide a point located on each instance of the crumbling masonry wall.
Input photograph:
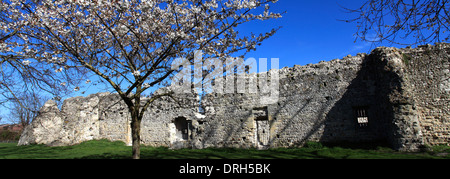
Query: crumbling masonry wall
(429, 78)
(395, 96)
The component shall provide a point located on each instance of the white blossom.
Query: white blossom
(26, 62)
(112, 39)
(136, 73)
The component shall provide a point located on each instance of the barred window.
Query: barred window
(362, 116)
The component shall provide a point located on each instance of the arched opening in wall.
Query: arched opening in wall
(182, 126)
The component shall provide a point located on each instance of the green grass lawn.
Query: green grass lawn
(102, 149)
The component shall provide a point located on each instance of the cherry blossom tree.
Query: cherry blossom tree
(130, 44)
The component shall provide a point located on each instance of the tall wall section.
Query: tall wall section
(429, 78)
(307, 94)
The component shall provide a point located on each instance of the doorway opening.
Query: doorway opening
(262, 130)
(182, 128)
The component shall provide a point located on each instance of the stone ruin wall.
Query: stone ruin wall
(404, 93)
(104, 116)
(429, 78)
(307, 93)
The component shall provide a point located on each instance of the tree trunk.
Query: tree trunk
(136, 125)
(136, 136)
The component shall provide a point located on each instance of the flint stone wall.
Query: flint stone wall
(404, 94)
(104, 116)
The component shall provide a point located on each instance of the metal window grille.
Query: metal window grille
(362, 117)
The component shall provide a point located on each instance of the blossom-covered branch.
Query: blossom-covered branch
(130, 43)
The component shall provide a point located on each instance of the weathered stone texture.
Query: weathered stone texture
(46, 128)
(428, 70)
(397, 96)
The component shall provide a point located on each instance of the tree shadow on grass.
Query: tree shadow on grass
(106, 156)
(104, 151)
(215, 153)
(231, 153)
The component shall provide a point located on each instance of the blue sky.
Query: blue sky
(311, 32)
